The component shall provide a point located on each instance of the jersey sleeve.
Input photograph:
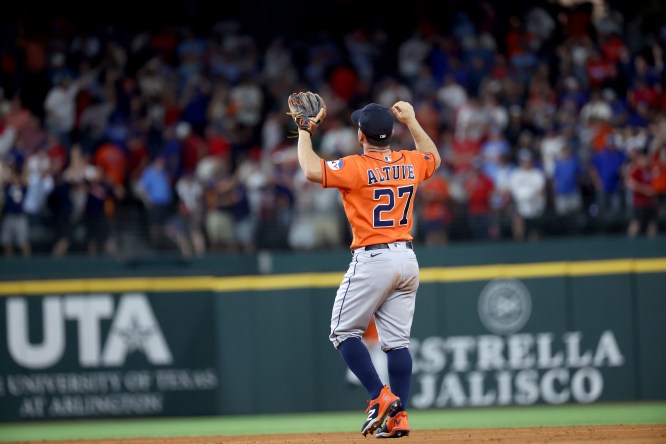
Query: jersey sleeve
(341, 173)
(425, 164)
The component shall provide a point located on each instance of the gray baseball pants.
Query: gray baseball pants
(383, 283)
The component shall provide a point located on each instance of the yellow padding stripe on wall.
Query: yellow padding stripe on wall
(328, 280)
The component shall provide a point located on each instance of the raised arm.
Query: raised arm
(309, 160)
(308, 111)
(404, 112)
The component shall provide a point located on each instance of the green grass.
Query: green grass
(620, 413)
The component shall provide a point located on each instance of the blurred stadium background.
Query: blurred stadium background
(179, 264)
(133, 135)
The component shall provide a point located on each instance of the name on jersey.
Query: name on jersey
(390, 172)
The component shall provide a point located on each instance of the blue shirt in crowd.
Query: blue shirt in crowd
(14, 198)
(608, 164)
(156, 184)
(566, 176)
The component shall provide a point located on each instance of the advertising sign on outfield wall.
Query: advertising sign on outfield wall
(106, 355)
(516, 347)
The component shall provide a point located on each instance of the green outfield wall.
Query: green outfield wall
(554, 322)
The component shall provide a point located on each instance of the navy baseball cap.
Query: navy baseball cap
(376, 122)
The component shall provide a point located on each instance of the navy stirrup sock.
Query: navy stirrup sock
(357, 357)
(400, 374)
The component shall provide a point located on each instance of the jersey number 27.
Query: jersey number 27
(404, 193)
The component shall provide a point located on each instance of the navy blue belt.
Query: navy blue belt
(408, 244)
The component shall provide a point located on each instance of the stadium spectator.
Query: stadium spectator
(606, 174)
(432, 212)
(501, 201)
(275, 215)
(155, 192)
(479, 189)
(111, 161)
(317, 220)
(68, 200)
(567, 175)
(659, 176)
(492, 150)
(93, 121)
(229, 224)
(527, 185)
(60, 107)
(103, 193)
(551, 146)
(393, 90)
(185, 227)
(639, 182)
(15, 227)
(39, 181)
(338, 139)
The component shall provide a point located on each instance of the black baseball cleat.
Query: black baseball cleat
(379, 409)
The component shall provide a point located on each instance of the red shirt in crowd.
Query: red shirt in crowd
(597, 71)
(111, 160)
(464, 152)
(218, 146)
(659, 171)
(479, 189)
(194, 149)
(611, 49)
(644, 93)
(641, 175)
(344, 82)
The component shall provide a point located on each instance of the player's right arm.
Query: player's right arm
(309, 161)
(404, 112)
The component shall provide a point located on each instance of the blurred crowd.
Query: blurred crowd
(114, 141)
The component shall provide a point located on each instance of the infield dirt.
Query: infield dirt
(629, 434)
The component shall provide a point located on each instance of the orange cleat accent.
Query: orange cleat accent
(395, 427)
(378, 409)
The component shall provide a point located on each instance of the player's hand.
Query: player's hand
(321, 115)
(403, 111)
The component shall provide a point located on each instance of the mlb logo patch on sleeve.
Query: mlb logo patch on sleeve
(427, 157)
(335, 164)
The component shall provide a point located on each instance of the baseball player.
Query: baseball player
(378, 190)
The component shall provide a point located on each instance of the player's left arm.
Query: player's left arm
(309, 161)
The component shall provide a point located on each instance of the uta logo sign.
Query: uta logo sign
(134, 328)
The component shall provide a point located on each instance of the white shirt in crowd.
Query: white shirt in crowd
(452, 95)
(470, 121)
(551, 147)
(60, 105)
(40, 183)
(527, 190)
(411, 54)
(316, 220)
(596, 109)
(392, 92)
(190, 192)
(340, 141)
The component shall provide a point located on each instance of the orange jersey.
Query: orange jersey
(378, 192)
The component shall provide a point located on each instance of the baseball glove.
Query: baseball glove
(307, 109)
